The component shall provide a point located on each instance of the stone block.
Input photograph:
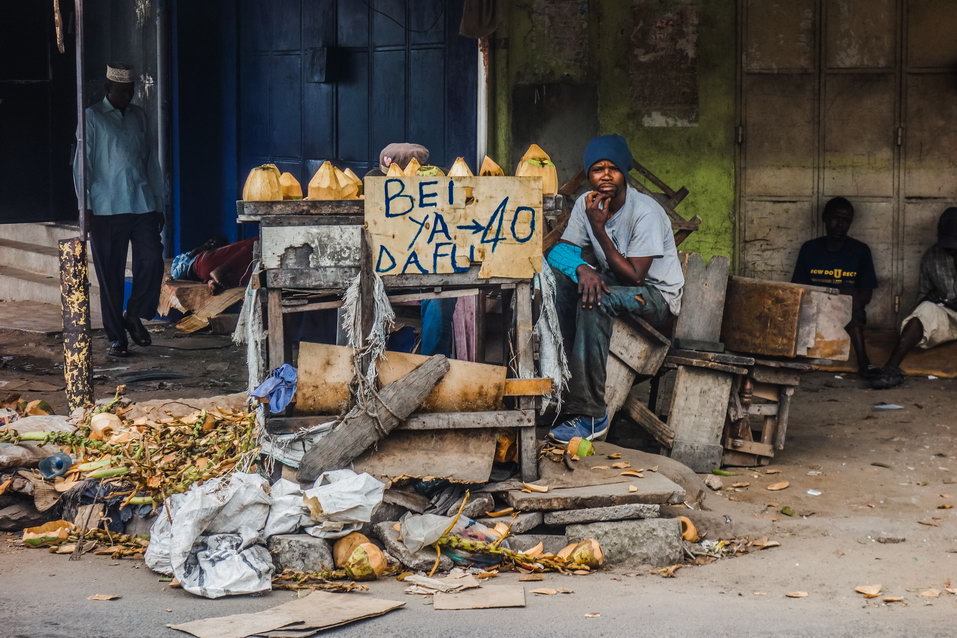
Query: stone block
(523, 522)
(654, 488)
(412, 501)
(301, 552)
(420, 561)
(477, 506)
(654, 541)
(551, 543)
(597, 514)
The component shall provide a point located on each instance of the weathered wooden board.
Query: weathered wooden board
(464, 456)
(831, 341)
(702, 302)
(428, 225)
(638, 345)
(255, 211)
(699, 405)
(762, 317)
(325, 372)
(310, 247)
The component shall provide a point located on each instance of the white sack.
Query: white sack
(340, 501)
(287, 509)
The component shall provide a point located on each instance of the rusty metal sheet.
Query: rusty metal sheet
(780, 35)
(859, 143)
(931, 28)
(930, 148)
(861, 34)
(761, 317)
(780, 134)
(773, 234)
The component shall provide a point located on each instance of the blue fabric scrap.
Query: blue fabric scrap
(279, 387)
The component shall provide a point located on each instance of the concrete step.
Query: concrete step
(42, 233)
(40, 259)
(22, 285)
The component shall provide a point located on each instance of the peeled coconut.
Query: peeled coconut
(262, 185)
(536, 163)
(588, 552)
(104, 425)
(394, 170)
(348, 189)
(490, 168)
(688, 531)
(411, 168)
(430, 171)
(566, 551)
(324, 185)
(355, 178)
(367, 562)
(460, 168)
(291, 188)
(343, 548)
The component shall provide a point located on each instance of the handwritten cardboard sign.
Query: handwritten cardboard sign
(440, 225)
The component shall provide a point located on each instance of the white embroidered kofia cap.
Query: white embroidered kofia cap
(117, 72)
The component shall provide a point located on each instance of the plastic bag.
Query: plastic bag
(418, 531)
(215, 547)
(340, 501)
(287, 509)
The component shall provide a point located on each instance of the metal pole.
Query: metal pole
(74, 278)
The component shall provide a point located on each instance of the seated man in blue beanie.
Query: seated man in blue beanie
(637, 273)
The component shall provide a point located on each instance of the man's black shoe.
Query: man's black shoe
(137, 330)
(118, 349)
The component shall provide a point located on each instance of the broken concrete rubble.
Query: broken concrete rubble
(422, 560)
(300, 552)
(522, 523)
(655, 541)
(598, 514)
(551, 543)
(653, 489)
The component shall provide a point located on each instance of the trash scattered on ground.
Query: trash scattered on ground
(869, 591)
(814, 492)
(484, 598)
(103, 597)
(796, 594)
(777, 487)
(887, 406)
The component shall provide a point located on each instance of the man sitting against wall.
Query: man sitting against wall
(934, 321)
(838, 261)
(637, 273)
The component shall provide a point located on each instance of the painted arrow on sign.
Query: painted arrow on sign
(475, 227)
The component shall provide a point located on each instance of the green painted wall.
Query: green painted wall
(665, 73)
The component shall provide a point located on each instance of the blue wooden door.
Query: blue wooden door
(339, 79)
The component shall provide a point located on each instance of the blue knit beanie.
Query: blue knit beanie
(608, 147)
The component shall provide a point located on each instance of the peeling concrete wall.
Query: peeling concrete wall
(663, 75)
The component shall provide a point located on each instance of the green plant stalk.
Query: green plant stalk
(109, 472)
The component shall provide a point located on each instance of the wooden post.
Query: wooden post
(784, 411)
(277, 338)
(77, 342)
(524, 362)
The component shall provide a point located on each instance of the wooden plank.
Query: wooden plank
(335, 278)
(416, 296)
(699, 346)
(699, 406)
(752, 447)
(420, 422)
(761, 317)
(311, 247)
(437, 225)
(464, 456)
(679, 362)
(276, 338)
(619, 379)
(638, 345)
(359, 430)
(766, 391)
(726, 358)
(777, 376)
(251, 211)
(702, 301)
(525, 366)
(647, 419)
(527, 387)
(763, 409)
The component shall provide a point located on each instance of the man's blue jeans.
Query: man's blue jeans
(587, 333)
(437, 326)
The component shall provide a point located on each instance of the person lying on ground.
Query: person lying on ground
(838, 261)
(217, 264)
(934, 321)
(637, 273)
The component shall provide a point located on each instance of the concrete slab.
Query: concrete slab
(596, 514)
(301, 552)
(654, 488)
(523, 522)
(37, 317)
(656, 542)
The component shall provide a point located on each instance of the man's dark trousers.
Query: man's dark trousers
(110, 236)
(586, 333)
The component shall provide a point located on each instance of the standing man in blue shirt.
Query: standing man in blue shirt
(124, 197)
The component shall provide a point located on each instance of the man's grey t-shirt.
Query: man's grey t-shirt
(640, 228)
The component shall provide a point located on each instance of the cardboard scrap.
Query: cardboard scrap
(484, 598)
(319, 610)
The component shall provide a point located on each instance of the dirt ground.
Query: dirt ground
(887, 480)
